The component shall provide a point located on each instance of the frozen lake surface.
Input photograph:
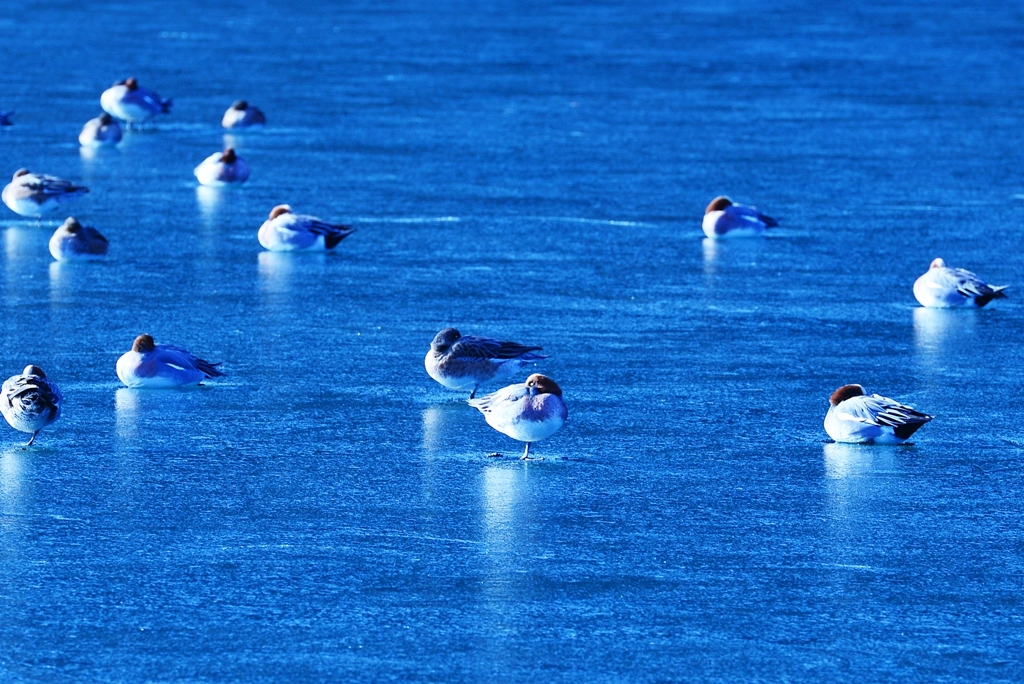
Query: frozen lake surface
(535, 172)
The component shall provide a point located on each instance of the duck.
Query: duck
(855, 418)
(221, 169)
(30, 401)
(527, 412)
(152, 365)
(103, 131)
(128, 101)
(942, 287)
(285, 231)
(465, 362)
(241, 114)
(722, 219)
(36, 194)
(75, 242)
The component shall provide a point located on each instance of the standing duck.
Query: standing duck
(527, 412)
(29, 402)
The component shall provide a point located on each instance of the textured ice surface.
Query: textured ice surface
(537, 172)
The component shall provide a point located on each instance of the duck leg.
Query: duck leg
(33, 438)
(525, 455)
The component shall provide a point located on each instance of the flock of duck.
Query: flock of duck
(527, 412)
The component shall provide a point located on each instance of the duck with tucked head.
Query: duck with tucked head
(75, 242)
(241, 114)
(855, 418)
(942, 287)
(163, 365)
(36, 194)
(286, 231)
(221, 169)
(527, 412)
(128, 101)
(29, 402)
(722, 219)
(465, 362)
(103, 131)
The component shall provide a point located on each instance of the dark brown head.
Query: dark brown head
(543, 384)
(718, 204)
(143, 344)
(240, 105)
(106, 119)
(279, 210)
(131, 84)
(31, 371)
(228, 157)
(444, 340)
(20, 172)
(845, 392)
(72, 225)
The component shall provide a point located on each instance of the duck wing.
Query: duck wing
(487, 348)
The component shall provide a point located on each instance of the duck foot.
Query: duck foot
(495, 454)
(530, 458)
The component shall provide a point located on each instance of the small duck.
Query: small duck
(30, 402)
(242, 115)
(221, 169)
(75, 242)
(722, 219)
(103, 131)
(528, 412)
(465, 363)
(130, 102)
(35, 194)
(5, 119)
(288, 232)
(856, 418)
(162, 365)
(942, 287)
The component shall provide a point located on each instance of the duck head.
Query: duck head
(444, 340)
(143, 344)
(542, 384)
(718, 204)
(845, 392)
(279, 210)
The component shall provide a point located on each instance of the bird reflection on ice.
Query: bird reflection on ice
(848, 460)
(275, 269)
(208, 199)
(440, 427)
(61, 284)
(126, 405)
(934, 329)
(500, 493)
(12, 470)
(710, 255)
(281, 272)
(20, 241)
